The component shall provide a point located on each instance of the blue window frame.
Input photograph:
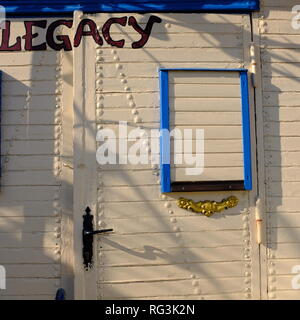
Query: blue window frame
(63, 7)
(166, 185)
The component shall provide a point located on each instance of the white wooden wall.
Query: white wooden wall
(210, 101)
(31, 184)
(280, 45)
(148, 245)
(158, 250)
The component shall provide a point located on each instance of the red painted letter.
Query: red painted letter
(93, 32)
(29, 36)
(144, 33)
(5, 40)
(106, 29)
(65, 40)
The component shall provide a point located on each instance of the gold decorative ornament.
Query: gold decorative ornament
(207, 207)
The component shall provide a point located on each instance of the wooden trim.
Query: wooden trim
(85, 166)
(191, 186)
(246, 130)
(165, 166)
(254, 105)
(67, 227)
(48, 8)
(261, 255)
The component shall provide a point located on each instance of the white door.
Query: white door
(158, 250)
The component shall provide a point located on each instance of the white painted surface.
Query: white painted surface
(150, 232)
(280, 76)
(203, 89)
(156, 246)
(31, 184)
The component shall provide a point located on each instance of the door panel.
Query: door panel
(157, 250)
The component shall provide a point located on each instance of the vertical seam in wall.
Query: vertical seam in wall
(260, 147)
(257, 156)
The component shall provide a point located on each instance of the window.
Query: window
(205, 130)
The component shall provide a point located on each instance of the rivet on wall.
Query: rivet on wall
(247, 254)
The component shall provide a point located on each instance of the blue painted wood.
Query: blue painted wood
(68, 6)
(202, 69)
(246, 130)
(165, 168)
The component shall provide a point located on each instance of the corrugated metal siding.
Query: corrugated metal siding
(30, 206)
(281, 94)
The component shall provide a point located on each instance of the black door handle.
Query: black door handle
(88, 233)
